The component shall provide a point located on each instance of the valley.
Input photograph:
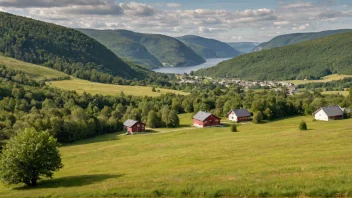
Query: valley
(160, 108)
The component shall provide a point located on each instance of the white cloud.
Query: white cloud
(174, 5)
(301, 27)
(297, 5)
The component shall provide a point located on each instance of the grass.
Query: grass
(344, 93)
(324, 79)
(35, 71)
(81, 86)
(274, 159)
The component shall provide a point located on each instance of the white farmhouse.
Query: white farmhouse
(239, 115)
(328, 113)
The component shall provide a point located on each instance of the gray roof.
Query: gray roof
(241, 112)
(130, 123)
(348, 110)
(331, 111)
(202, 115)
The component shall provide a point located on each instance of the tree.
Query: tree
(268, 114)
(153, 120)
(234, 128)
(28, 156)
(303, 126)
(350, 96)
(258, 117)
(174, 121)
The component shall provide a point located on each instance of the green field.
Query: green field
(81, 86)
(344, 93)
(325, 79)
(35, 71)
(273, 159)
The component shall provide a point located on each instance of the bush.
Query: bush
(303, 126)
(234, 128)
(153, 89)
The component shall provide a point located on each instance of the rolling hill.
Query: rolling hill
(57, 47)
(245, 47)
(148, 50)
(306, 60)
(290, 39)
(209, 48)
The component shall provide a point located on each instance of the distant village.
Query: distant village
(245, 84)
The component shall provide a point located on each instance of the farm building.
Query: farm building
(328, 113)
(205, 119)
(133, 126)
(239, 115)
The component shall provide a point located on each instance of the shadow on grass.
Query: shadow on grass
(71, 181)
(96, 139)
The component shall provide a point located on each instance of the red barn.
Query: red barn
(205, 119)
(133, 126)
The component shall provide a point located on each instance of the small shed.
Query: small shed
(239, 115)
(328, 113)
(206, 119)
(133, 126)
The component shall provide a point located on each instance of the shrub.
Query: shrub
(303, 126)
(153, 89)
(234, 128)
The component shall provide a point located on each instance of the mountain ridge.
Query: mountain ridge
(289, 39)
(209, 48)
(148, 50)
(305, 60)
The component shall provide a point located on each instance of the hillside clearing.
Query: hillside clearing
(34, 71)
(329, 78)
(273, 159)
(81, 86)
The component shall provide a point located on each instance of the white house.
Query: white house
(239, 115)
(328, 113)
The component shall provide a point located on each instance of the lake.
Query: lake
(181, 70)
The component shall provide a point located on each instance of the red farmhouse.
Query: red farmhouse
(134, 126)
(205, 119)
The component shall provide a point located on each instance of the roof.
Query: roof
(202, 115)
(331, 111)
(130, 123)
(240, 112)
(348, 110)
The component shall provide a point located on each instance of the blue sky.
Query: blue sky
(226, 20)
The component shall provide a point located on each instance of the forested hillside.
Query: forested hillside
(290, 39)
(209, 48)
(245, 47)
(306, 60)
(148, 50)
(57, 47)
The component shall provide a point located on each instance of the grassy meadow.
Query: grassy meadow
(35, 71)
(81, 86)
(273, 159)
(324, 79)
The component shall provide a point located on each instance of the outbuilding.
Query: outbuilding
(328, 113)
(133, 126)
(206, 119)
(239, 115)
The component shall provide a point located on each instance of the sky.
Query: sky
(225, 20)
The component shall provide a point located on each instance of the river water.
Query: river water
(181, 70)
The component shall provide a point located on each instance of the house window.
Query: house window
(138, 125)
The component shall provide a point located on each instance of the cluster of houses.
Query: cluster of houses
(188, 79)
(206, 119)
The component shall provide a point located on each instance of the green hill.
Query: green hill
(148, 50)
(290, 39)
(35, 72)
(245, 47)
(209, 48)
(57, 47)
(310, 59)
